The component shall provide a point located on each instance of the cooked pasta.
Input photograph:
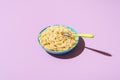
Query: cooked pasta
(53, 39)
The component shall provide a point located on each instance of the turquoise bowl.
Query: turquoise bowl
(64, 51)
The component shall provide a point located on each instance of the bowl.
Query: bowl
(64, 51)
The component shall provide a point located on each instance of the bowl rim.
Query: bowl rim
(55, 52)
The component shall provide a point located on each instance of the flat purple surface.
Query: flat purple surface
(21, 57)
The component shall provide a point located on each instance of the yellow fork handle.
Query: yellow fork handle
(84, 35)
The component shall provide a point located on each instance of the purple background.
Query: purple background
(21, 57)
